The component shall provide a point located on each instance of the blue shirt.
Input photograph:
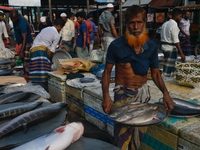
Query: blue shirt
(94, 29)
(120, 52)
(81, 30)
(20, 27)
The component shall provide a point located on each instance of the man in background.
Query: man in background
(93, 32)
(23, 37)
(184, 35)
(41, 53)
(82, 36)
(43, 23)
(68, 34)
(107, 30)
(170, 42)
(3, 30)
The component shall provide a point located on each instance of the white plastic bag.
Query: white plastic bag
(97, 55)
(29, 87)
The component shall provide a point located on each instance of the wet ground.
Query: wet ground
(90, 130)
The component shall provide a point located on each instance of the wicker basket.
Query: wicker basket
(188, 74)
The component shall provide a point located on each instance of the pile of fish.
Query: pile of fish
(183, 108)
(31, 117)
(138, 114)
(22, 110)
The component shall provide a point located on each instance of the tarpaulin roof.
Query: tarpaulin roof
(58, 2)
(129, 3)
(164, 3)
(5, 8)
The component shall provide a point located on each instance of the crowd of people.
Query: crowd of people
(132, 54)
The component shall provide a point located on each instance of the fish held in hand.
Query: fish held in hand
(146, 117)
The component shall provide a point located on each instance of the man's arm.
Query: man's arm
(167, 101)
(100, 31)
(178, 46)
(114, 30)
(84, 40)
(24, 42)
(186, 35)
(107, 102)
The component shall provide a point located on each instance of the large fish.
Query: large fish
(34, 116)
(15, 97)
(59, 139)
(147, 116)
(185, 103)
(17, 110)
(183, 107)
(3, 96)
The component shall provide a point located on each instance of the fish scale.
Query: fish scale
(40, 114)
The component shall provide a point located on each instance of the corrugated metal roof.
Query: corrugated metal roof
(129, 3)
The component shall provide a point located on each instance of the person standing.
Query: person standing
(23, 38)
(93, 32)
(68, 34)
(41, 53)
(82, 39)
(132, 54)
(170, 42)
(3, 30)
(184, 35)
(43, 23)
(106, 27)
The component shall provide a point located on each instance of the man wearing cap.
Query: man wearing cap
(67, 34)
(107, 25)
(3, 30)
(43, 23)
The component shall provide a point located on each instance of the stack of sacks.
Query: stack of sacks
(74, 65)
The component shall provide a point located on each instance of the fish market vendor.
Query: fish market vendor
(44, 46)
(132, 54)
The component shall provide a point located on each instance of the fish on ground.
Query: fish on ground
(59, 139)
(31, 117)
(3, 96)
(17, 110)
(16, 97)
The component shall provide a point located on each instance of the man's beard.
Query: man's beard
(136, 41)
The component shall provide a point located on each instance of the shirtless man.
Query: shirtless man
(132, 54)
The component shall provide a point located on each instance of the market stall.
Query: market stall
(175, 132)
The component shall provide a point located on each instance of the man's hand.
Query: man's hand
(168, 102)
(183, 57)
(84, 47)
(106, 104)
(21, 54)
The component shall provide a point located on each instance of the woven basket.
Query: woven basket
(187, 74)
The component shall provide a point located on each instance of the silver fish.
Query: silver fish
(34, 116)
(115, 112)
(59, 139)
(146, 117)
(128, 115)
(17, 110)
(185, 103)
